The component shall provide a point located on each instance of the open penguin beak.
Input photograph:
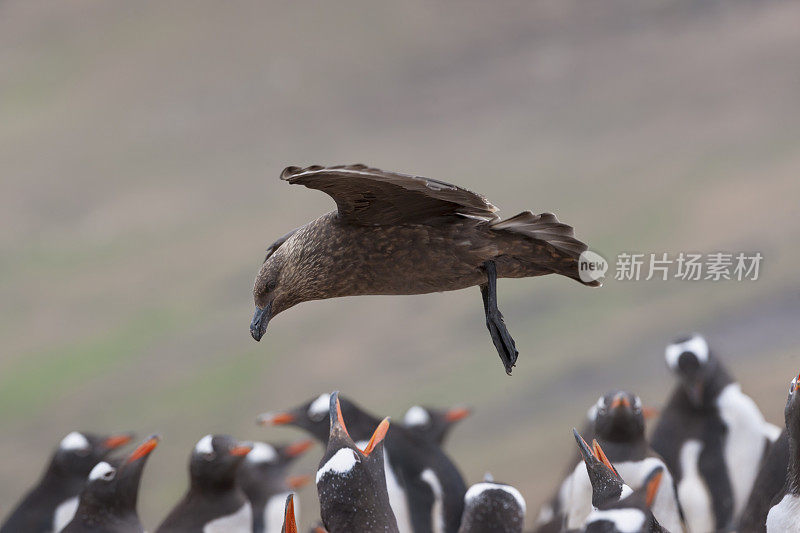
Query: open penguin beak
(594, 457)
(586, 452)
(260, 320)
(338, 427)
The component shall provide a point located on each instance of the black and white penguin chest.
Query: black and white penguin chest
(715, 454)
(269, 517)
(628, 520)
(769, 483)
(64, 513)
(52, 503)
(240, 521)
(222, 515)
(43, 511)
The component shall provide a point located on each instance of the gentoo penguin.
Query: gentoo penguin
(214, 503)
(51, 504)
(784, 515)
(350, 480)
(108, 502)
(619, 429)
(616, 507)
(551, 514)
(399, 234)
(263, 477)
(769, 482)
(491, 507)
(711, 435)
(607, 485)
(425, 487)
(434, 424)
(289, 519)
(631, 514)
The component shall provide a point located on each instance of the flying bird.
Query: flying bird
(398, 234)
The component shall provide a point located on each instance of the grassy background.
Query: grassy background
(140, 146)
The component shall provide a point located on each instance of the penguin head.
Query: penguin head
(79, 452)
(215, 460)
(312, 416)
(434, 423)
(631, 514)
(289, 521)
(114, 484)
(348, 473)
(619, 417)
(607, 485)
(690, 359)
(491, 506)
(277, 455)
(264, 468)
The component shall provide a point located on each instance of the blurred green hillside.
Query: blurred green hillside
(140, 148)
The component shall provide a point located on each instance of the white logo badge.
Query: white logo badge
(592, 267)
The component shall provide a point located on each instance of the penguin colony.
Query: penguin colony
(711, 463)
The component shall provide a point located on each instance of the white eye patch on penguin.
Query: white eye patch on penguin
(75, 442)
(102, 471)
(319, 407)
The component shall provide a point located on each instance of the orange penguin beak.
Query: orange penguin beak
(289, 522)
(115, 441)
(377, 436)
(275, 419)
(241, 449)
(601, 456)
(144, 449)
(652, 488)
(620, 400)
(457, 413)
(298, 482)
(299, 448)
(649, 413)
